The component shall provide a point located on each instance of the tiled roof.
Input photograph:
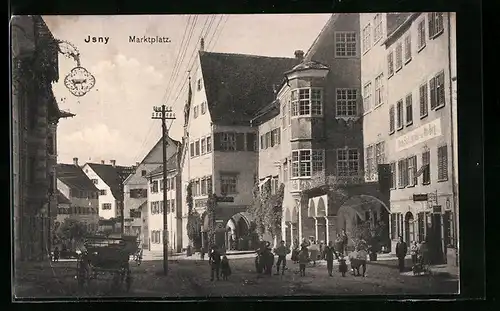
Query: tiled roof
(238, 85)
(61, 198)
(111, 176)
(74, 176)
(171, 165)
(395, 20)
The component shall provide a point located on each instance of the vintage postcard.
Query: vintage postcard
(234, 155)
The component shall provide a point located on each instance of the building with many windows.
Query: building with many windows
(409, 110)
(311, 136)
(76, 188)
(219, 154)
(156, 207)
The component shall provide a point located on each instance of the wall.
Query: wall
(79, 202)
(242, 162)
(155, 221)
(268, 157)
(107, 198)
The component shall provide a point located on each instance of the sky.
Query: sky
(113, 120)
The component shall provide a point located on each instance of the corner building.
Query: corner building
(406, 74)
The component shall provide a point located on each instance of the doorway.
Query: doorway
(408, 225)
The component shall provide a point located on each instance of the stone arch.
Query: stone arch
(320, 208)
(311, 210)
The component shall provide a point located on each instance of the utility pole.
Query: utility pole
(164, 113)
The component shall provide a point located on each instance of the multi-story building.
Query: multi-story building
(312, 135)
(74, 186)
(407, 76)
(136, 189)
(219, 153)
(156, 207)
(108, 179)
(35, 114)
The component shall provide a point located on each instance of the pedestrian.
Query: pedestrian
(329, 254)
(303, 260)
(214, 260)
(281, 251)
(314, 252)
(202, 253)
(268, 259)
(225, 268)
(338, 244)
(414, 253)
(56, 254)
(344, 240)
(342, 265)
(361, 258)
(401, 250)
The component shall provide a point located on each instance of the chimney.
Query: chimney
(299, 54)
(113, 162)
(202, 45)
(102, 161)
(75, 161)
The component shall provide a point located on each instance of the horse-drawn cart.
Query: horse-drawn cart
(106, 256)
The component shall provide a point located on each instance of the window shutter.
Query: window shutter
(432, 87)
(430, 18)
(251, 141)
(261, 141)
(240, 141)
(217, 141)
(391, 119)
(273, 142)
(278, 135)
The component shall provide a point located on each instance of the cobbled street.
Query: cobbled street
(191, 278)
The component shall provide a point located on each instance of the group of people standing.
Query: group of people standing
(418, 251)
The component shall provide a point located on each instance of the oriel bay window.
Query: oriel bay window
(229, 183)
(305, 162)
(307, 102)
(347, 162)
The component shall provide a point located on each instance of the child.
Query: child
(342, 265)
(303, 260)
(56, 254)
(225, 268)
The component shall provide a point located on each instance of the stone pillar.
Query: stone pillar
(300, 223)
(331, 227)
(316, 228)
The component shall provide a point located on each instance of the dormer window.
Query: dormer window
(307, 102)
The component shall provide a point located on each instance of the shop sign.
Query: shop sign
(420, 197)
(419, 135)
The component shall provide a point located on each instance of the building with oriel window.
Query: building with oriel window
(219, 155)
(311, 140)
(407, 73)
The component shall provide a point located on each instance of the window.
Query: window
(209, 144)
(390, 64)
(262, 142)
(203, 108)
(204, 186)
(197, 186)
(95, 181)
(403, 173)
(198, 84)
(379, 90)
(275, 137)
(412, 171)
(138, 193)
(154, 186)
(391, 120)
(209, 185)
(400, 114)
(228, 142)
(228, 183)
(377, 31)
(197, 148)
(421, 226)
(191, 149)
(367, 31)
(426, 174)
(285, 171)
(267, 140)
(442, 163)
(106, 206)
(421, 35)
(307, 102)
(252, 141)
(367, 97)
(436, 26)
(318, 161)
(195, 112)
(143, 173)
(393, 175)
(369, 163)
(424, 101)
(409, 109)
(347, 162)
(203, 146)
(345, 44)
(156, 237)
(380, 153)
(172, 183)
(399, 56)
(407, 48)
(162, 184)
(436, 86)
(347, 103)
(102, 192)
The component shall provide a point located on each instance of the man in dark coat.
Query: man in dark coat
(401, 250)
(330, 255)
(214, 260)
